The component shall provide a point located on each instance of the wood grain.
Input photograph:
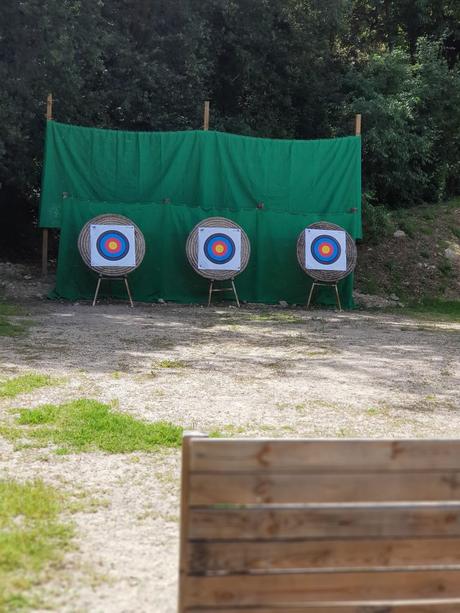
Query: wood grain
(208, 489)
(312, 521)
(240, 557)
(298, 589)
(336, 456)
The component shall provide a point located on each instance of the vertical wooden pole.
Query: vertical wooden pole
(358, 124)
(49, 107)
(49, 117)
(206, 115)
(184, 516)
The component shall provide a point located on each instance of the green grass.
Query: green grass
(448, 310)
(25, 383)
(8, 328)
(170, 364)
(10, 310)
(31, 537)
(88, 425)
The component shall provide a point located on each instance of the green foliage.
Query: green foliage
(277, 68)
(31, 537)
(86, 425)
(24, 384)
(411, 114)
(377, 222)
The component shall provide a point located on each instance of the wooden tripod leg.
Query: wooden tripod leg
(97, 290)
(310, 294)
(338, 297)
(236, 295)
(210, 293)
(129, 293)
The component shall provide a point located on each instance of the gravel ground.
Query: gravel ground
(258, 371)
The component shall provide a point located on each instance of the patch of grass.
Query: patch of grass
(24, 384)
(456, 232)
(227, 430)
(8, 328)
(448, 310)
(31, 537)
(11, 310)
(87, 425)
(170, 364)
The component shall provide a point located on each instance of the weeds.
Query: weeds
(87, 425)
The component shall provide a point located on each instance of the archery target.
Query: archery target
(112, 245)
(325, 249)
(219, 248)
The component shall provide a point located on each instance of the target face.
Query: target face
(112, 245)
(219, 248)
(325, 249)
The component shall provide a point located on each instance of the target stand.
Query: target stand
(113, 246)
(327, 253)
(218, 249)
(213, 289)
(102, 278)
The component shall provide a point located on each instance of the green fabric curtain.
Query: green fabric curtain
(212, 170)
(168, 181)
(273, 273)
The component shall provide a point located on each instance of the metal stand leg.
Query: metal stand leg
(310, 295)
(236, 295)
(210, 293)
(97, 290)
(129, 293)
(338, 297)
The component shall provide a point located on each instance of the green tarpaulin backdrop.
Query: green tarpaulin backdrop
(167, 182)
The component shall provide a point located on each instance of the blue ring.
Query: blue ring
(216, 259)
(333, 242)
(107, 235)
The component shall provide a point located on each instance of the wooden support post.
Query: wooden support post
(184, 515)
(49, 117)
(358, 124)
(206, 115)
(49, 107)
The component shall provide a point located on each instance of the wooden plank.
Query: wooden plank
(49, 107)
(239, 557)
(184, 518)
(358, 124)
(267, 455)
(266, 488)
(206, 115)
(298, 589)
(438, 606)
(426, 520)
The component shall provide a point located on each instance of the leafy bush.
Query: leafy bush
(377, 222)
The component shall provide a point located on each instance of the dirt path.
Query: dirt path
(267, 372)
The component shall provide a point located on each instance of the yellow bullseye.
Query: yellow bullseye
(325, 250)
(219, 249)
(112, 245)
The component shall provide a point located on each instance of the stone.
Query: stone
(394, 297)
(369, 301)
(161, 301)
(452, 252)
(399, 234)
(283, 304)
